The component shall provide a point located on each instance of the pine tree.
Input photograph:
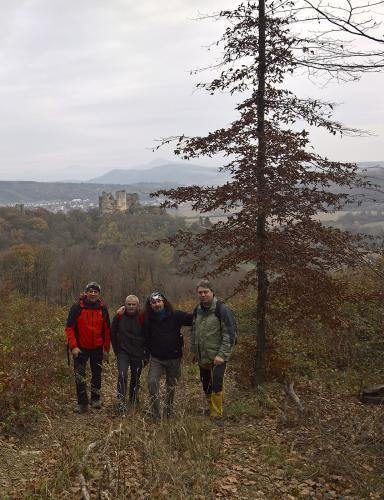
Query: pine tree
(278, 183)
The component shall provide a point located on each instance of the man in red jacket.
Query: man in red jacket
(88, 333)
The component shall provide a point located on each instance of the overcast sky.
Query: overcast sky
(90, 85)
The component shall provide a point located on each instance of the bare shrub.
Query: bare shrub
(32, 350)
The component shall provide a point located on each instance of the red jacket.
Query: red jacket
(88, 325)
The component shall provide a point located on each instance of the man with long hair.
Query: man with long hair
(164, 344)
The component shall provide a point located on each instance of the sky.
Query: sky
(91, 85)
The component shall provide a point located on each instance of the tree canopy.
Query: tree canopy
(279, 183)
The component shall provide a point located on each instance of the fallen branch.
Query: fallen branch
(84, 489)
(90, 448)
(292, 396)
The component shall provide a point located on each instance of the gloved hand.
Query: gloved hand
(121, 311)
(75, 352)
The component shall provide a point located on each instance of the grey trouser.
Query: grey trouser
(171, 369)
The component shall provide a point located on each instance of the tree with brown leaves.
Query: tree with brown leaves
(278, 183)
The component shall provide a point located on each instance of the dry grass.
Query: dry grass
(32, 356)
(266, 449)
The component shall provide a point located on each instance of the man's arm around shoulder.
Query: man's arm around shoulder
(184, 318)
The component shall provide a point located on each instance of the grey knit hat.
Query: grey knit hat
(93, 286)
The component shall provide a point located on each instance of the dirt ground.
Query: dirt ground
(265, 450)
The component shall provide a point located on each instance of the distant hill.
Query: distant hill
(159, 177)
(373, 170)
(371, 197)
(173, 173)
(34, 192)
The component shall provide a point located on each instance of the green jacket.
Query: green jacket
(208, 337)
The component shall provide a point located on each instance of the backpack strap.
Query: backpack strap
(194, 314)
(218, 310)
(230, 317)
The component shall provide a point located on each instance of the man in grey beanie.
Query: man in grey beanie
(88, 334)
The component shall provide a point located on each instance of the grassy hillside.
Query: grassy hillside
(33, 378)
(267, 449)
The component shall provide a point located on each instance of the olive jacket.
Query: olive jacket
(209, 336)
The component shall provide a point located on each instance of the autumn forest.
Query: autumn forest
(307, 295)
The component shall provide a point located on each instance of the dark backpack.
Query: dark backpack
(231, 325)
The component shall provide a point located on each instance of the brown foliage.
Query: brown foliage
(278, 182)
(32, 357)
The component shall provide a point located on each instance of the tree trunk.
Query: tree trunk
(262, 279)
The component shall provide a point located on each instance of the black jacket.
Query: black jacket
(127, 335)
(163, 336)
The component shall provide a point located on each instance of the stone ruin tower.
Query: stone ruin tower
(121, 203)
(106, 203)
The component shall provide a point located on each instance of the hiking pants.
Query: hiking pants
(171, 368)
(212, 380)
(124, 362)
(95, 357)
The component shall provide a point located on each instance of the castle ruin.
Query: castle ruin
(122, 202)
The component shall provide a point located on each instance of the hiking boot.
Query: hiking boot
(80, 409)
(153, 417)
(122, 407)
(219, 421)
(96, 404)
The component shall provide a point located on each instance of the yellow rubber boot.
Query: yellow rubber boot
(217, 399)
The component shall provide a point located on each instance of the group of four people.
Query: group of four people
(151, 336)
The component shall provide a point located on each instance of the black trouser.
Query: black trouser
(124, 362)
(212, 380)
(95, 357)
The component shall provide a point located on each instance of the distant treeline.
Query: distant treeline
(369, 222)
(30, 191)
(52, 256)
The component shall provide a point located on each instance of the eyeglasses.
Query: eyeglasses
(131, 304)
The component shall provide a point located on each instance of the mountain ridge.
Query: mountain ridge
(37, 191)
(180, 173)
